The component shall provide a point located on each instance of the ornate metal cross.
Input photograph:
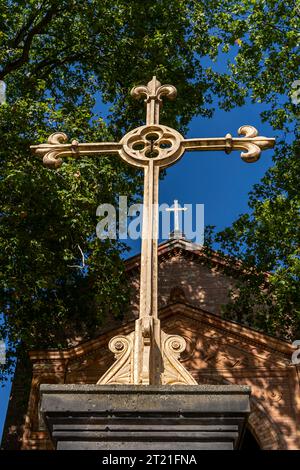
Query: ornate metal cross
(148, 355)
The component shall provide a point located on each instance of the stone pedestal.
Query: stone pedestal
(117, 417)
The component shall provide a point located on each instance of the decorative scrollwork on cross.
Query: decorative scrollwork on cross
(153, 93)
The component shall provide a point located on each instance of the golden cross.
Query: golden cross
(148, 355)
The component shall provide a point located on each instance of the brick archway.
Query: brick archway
(260, 424)
(263, 428)
(33, 437)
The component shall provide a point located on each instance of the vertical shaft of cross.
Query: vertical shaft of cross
(148, 297)
(153, 102)
(176, 215)
(148, 359)
(148, 332)
(148, 363)
(148, 326)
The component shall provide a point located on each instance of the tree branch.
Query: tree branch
(20, 35)
(53, 62)
(37, 29)
(82, 258)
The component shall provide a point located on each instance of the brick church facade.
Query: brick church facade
(191, 294)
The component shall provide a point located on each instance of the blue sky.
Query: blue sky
(4, 397)
(221, 182)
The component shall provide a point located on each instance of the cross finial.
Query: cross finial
(153, 93)
(177, 233)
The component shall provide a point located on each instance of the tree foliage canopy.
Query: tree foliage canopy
(58, 58)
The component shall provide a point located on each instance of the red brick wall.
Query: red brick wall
(202, 286)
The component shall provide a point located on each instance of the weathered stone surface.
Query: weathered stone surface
(145, 417)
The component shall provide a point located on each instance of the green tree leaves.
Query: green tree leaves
(56, 59)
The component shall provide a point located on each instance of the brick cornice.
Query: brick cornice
(83, 348)
(242, 333)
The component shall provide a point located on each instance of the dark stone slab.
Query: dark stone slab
(112, 417)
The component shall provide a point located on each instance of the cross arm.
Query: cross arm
(251, 144)
(56, 147)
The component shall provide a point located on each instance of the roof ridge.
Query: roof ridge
(199, 250)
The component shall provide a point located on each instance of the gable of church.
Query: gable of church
(218, 352)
